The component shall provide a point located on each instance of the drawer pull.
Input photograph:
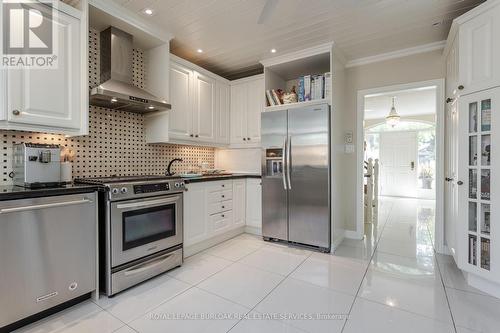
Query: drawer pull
(223, 196)
(223, 207)
(222, 215)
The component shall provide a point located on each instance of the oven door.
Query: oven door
(144, 226)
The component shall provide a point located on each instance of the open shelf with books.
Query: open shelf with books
(299, 79)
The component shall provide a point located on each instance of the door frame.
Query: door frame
(440, 116)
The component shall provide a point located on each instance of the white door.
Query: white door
(204, 108)
(451, 187)
(195, 213)
(239, 202)
(479, 52)
(222, 112)
(398, 162)
(255, 108)
(180, 116)
(254, 203)
(239, 101)
(50, 97)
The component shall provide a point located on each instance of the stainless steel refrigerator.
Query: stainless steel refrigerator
(296, 176)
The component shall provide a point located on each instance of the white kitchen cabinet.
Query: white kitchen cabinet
(452, 63)
(181, 99)
(479, 51)
(204, 108)
(51, 99)
(239, 202)
(212, 209)
(195, 213)
(222, 109)
(254, 204)
(247, 104)
(200, 102)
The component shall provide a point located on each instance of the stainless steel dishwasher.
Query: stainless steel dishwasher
(47, 253)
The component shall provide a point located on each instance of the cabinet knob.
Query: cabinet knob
(244, 139)
(196, 136)
(16, 112)
(449, 100)
(223, 196)
(460, 182)
(191, 135)
(223, 215)
(248, 139)
(461, 87)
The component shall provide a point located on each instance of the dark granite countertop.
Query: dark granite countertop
(17, 192)
(209, 178)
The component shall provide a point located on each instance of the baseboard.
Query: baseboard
(484, 285)
(203, 245)
(351, 234)
(253, 230)
(337, 241)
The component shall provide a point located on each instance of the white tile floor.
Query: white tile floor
(390, 282)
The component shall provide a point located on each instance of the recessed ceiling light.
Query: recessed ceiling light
(114, 100)
(199, 51)
(151, 107)
(273, 50)
(148, 11)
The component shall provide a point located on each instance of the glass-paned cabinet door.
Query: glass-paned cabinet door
(479, 156)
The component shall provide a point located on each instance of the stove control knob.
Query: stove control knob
(124, 190)
(115, 191)
(177, 185)
(182, 184)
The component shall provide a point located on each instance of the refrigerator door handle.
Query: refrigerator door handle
(289, 162)
(283, 163)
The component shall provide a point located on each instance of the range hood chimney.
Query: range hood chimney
(116, 90)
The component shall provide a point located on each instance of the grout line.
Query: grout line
(263, 298)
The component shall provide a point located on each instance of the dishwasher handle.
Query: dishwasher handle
(44, 206)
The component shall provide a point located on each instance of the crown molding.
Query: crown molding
(397, 54)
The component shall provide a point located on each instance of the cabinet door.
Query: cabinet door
(479, 185)
(195, 214)
(239, 202)
(451, 187)
(239, 101)
(452, 62)
(180, 116)
(254, 203)
(479, 52)
(51, 97)
(204, 108)
(255, 108)
(222, 113)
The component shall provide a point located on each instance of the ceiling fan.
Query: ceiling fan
(267, 11)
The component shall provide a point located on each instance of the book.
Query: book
(319, 81)
(300, 93)
(307, 87)
(276, 98)
(269, 97)
(328, 85)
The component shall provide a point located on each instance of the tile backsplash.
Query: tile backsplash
(116, 143)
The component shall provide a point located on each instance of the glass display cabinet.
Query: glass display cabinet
(478, 182)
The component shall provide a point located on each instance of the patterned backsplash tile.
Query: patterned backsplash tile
(116, 143)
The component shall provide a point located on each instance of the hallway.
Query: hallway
(407, 287)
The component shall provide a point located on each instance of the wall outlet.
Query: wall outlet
(348, 137)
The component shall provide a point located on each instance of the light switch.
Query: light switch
(348, 137)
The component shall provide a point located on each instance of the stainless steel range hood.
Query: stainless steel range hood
(116, 90)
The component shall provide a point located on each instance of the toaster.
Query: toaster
(37, 165)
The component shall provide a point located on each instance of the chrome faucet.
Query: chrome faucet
(170, 173)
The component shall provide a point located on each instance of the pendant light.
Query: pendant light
(393, 117)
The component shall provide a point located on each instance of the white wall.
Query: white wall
(239, 160)
(419, 67)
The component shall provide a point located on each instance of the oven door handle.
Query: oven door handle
(148, 265)
(148, 203)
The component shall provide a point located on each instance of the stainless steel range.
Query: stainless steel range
(140, 228)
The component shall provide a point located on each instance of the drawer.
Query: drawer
(219, 196)
(219, 207)
(220, 185)
(221, 221)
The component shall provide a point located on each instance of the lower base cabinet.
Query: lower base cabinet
(254, 205)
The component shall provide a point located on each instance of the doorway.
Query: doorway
(407, 148)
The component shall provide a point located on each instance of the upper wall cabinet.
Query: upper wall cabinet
(54, 99)
(475, 36)
(247, 103)
(199, 99)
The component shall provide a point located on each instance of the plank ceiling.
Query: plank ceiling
(233, 42)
